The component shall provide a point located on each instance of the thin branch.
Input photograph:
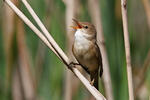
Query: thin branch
(96, 18)
(127, 48)
(91, 89)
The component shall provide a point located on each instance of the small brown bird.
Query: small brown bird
(86, 50)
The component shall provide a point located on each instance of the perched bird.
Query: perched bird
(86, 50)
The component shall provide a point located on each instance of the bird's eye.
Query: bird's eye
(86, 27)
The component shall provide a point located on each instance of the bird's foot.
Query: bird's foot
(72, 65)
(92, 82)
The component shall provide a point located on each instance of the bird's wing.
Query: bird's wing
(98, 55)
(83, 66)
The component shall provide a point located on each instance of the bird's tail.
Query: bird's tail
(101, 71)
(94, 78)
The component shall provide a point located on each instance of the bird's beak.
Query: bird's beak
(78, 24)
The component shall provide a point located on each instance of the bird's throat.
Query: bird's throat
(81, 41)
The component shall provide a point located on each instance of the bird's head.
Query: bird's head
(84, 27)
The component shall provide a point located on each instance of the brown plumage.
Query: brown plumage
(86, 50)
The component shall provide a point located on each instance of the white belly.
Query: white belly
(81, 42)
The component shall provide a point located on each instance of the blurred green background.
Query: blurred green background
(48, 72)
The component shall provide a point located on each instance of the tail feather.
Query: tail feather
(101, 71)
(96, 83)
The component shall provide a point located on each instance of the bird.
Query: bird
(86, 50)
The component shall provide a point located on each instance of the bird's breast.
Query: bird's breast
(81, 43)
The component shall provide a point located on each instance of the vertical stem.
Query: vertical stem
(17, 89)
(27, 78)
(8, 36)
(127, 48)
(68, 75)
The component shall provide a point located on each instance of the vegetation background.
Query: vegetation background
(42, 74)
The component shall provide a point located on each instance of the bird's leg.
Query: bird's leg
(73, 63)
(92, 76)
(92, 82)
